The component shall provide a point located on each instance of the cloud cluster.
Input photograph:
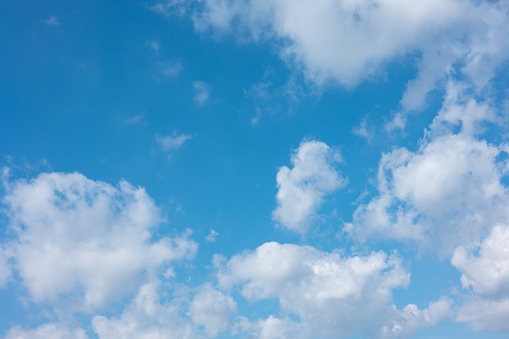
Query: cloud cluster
(302, 188)
(446, 194)
(487, 275)
(81, 243)
(332, 296)
(51, 330)
(349, 41)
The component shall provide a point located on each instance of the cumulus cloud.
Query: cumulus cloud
(52, 330)
(302, 188)
(172, 142)
(213, 310)
(147, 317)
(349, 41)
(81, 243)
(333, 296)
(201, 92)
(445, 194)
(487, 276)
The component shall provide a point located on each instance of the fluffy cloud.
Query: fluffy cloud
(349, 41)
(448, 192)
(147, 317)
(302, 188)
(52, 330)
(81, 243)
(333, 296)
(213, 310)
(487, 275)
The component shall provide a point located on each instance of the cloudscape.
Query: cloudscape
(268, 169)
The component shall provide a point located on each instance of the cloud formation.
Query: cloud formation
(447, 193)
(332, 296)
(487, 276)
(172, 142)
(350, 41)
(302, 188)
(81, 244)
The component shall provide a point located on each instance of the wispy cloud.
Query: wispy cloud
(202, 92)
(133, 119)
(52, 21)
(152, 44)
(212, 236)
(172, 142)
(171, 68)
(170, 7)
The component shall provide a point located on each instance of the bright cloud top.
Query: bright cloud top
(302, 188)
(84, 243)
(447, 193)
(333, 296)
(487, 275)
(349, 41)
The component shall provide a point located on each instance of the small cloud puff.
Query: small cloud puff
(202, 92)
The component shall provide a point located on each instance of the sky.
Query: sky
(254, 169)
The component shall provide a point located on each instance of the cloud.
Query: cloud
(213, 310)
(170, 7)
(52, 330)
(350, 41)
(331, 295)
(445, 194)
(212, 236)
(487, 276)
(302, 188)
(171, 69)
(147, 317)
(152, 44)
(172, 142)
(201, 92)
(52, 21)
(80, 244)
(133, 119)
(364, 131)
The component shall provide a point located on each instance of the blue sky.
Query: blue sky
(254, 169)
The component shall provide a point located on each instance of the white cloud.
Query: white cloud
(52, 330)
(147, 317)
(212, 236)
(133, 119)
(152, 44)
(487, 275)
(350, 41)
(172, 142)
(201, 92)
(364, 131)
(52, 21)
(213, 310)
(170, 7)
(333, 296)
(445, 194)
(80, 243)
(302, 188)
(170, 69)
(404, 323)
